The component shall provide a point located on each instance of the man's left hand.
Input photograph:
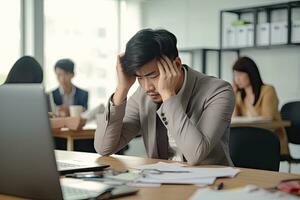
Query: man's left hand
(169, 78)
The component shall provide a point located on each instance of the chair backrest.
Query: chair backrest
(291, 111)
(252, 147)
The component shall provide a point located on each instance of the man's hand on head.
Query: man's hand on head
(169, 79)
(125, 82)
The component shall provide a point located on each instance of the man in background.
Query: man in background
(67, 94)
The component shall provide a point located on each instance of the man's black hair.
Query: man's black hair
(65, 64)
(146, 45)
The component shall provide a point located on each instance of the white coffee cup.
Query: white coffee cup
(75, 110)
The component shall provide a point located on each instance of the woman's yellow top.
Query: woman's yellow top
(266, 106)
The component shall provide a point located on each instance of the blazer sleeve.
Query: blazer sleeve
(196, 140)
(269, 103)
(116, 127)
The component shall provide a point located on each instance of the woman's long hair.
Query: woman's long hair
(25, 70)
(247, 65)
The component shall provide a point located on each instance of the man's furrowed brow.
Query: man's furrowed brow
(148, 74)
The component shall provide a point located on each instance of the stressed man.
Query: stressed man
(181, 114)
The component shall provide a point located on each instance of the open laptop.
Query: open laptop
(28, 167)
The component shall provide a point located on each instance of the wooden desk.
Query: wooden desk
(88, 132)
(266, 179)
(70, 136)
(267, 125)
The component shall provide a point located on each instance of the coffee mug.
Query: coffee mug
(75, 110)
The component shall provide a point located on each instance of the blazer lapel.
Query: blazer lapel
(76, 97)
(57, 97)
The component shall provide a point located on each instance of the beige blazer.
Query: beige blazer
(198, 118)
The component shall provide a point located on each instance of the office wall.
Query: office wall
(196, 24)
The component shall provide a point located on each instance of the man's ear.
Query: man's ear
(178, 62)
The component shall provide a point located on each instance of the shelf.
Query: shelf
(262, 47)
(264, 7)
(197, 49)
(202, 52)
(255, 11)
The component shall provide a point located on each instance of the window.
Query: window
(87, 33)
(9, 36)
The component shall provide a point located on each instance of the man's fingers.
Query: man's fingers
(176, 68)
(172, 65)
(166, 66)
(161, 69)
(165, 58)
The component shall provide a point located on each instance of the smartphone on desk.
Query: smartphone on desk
(86, 175)
(119, 191)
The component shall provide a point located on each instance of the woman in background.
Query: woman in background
(25, 70)
(254, 98)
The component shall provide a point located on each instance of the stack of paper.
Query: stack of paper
(175, 173)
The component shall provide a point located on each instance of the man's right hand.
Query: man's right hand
(125, 82)
(63, 111)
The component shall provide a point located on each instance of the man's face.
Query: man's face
(64, 78)
(148, 76)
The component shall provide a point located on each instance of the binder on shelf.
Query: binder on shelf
(241, 33)
(250, 35)
(296, 31)
(263, 34)
(279, 33)
(230, 37)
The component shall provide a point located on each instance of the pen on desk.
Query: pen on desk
(220, 186)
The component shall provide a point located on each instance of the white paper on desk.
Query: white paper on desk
(198, 176)
(193, 181)
(249, 192)
(162, 166)
(193, 172)
(90, 126)
(198, 173)
(137, 184)
(238, 119)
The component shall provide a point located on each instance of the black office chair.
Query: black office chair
(291, 111)
(252, 147)
(83, 145)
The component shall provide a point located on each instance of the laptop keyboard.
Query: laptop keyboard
(72, 193)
